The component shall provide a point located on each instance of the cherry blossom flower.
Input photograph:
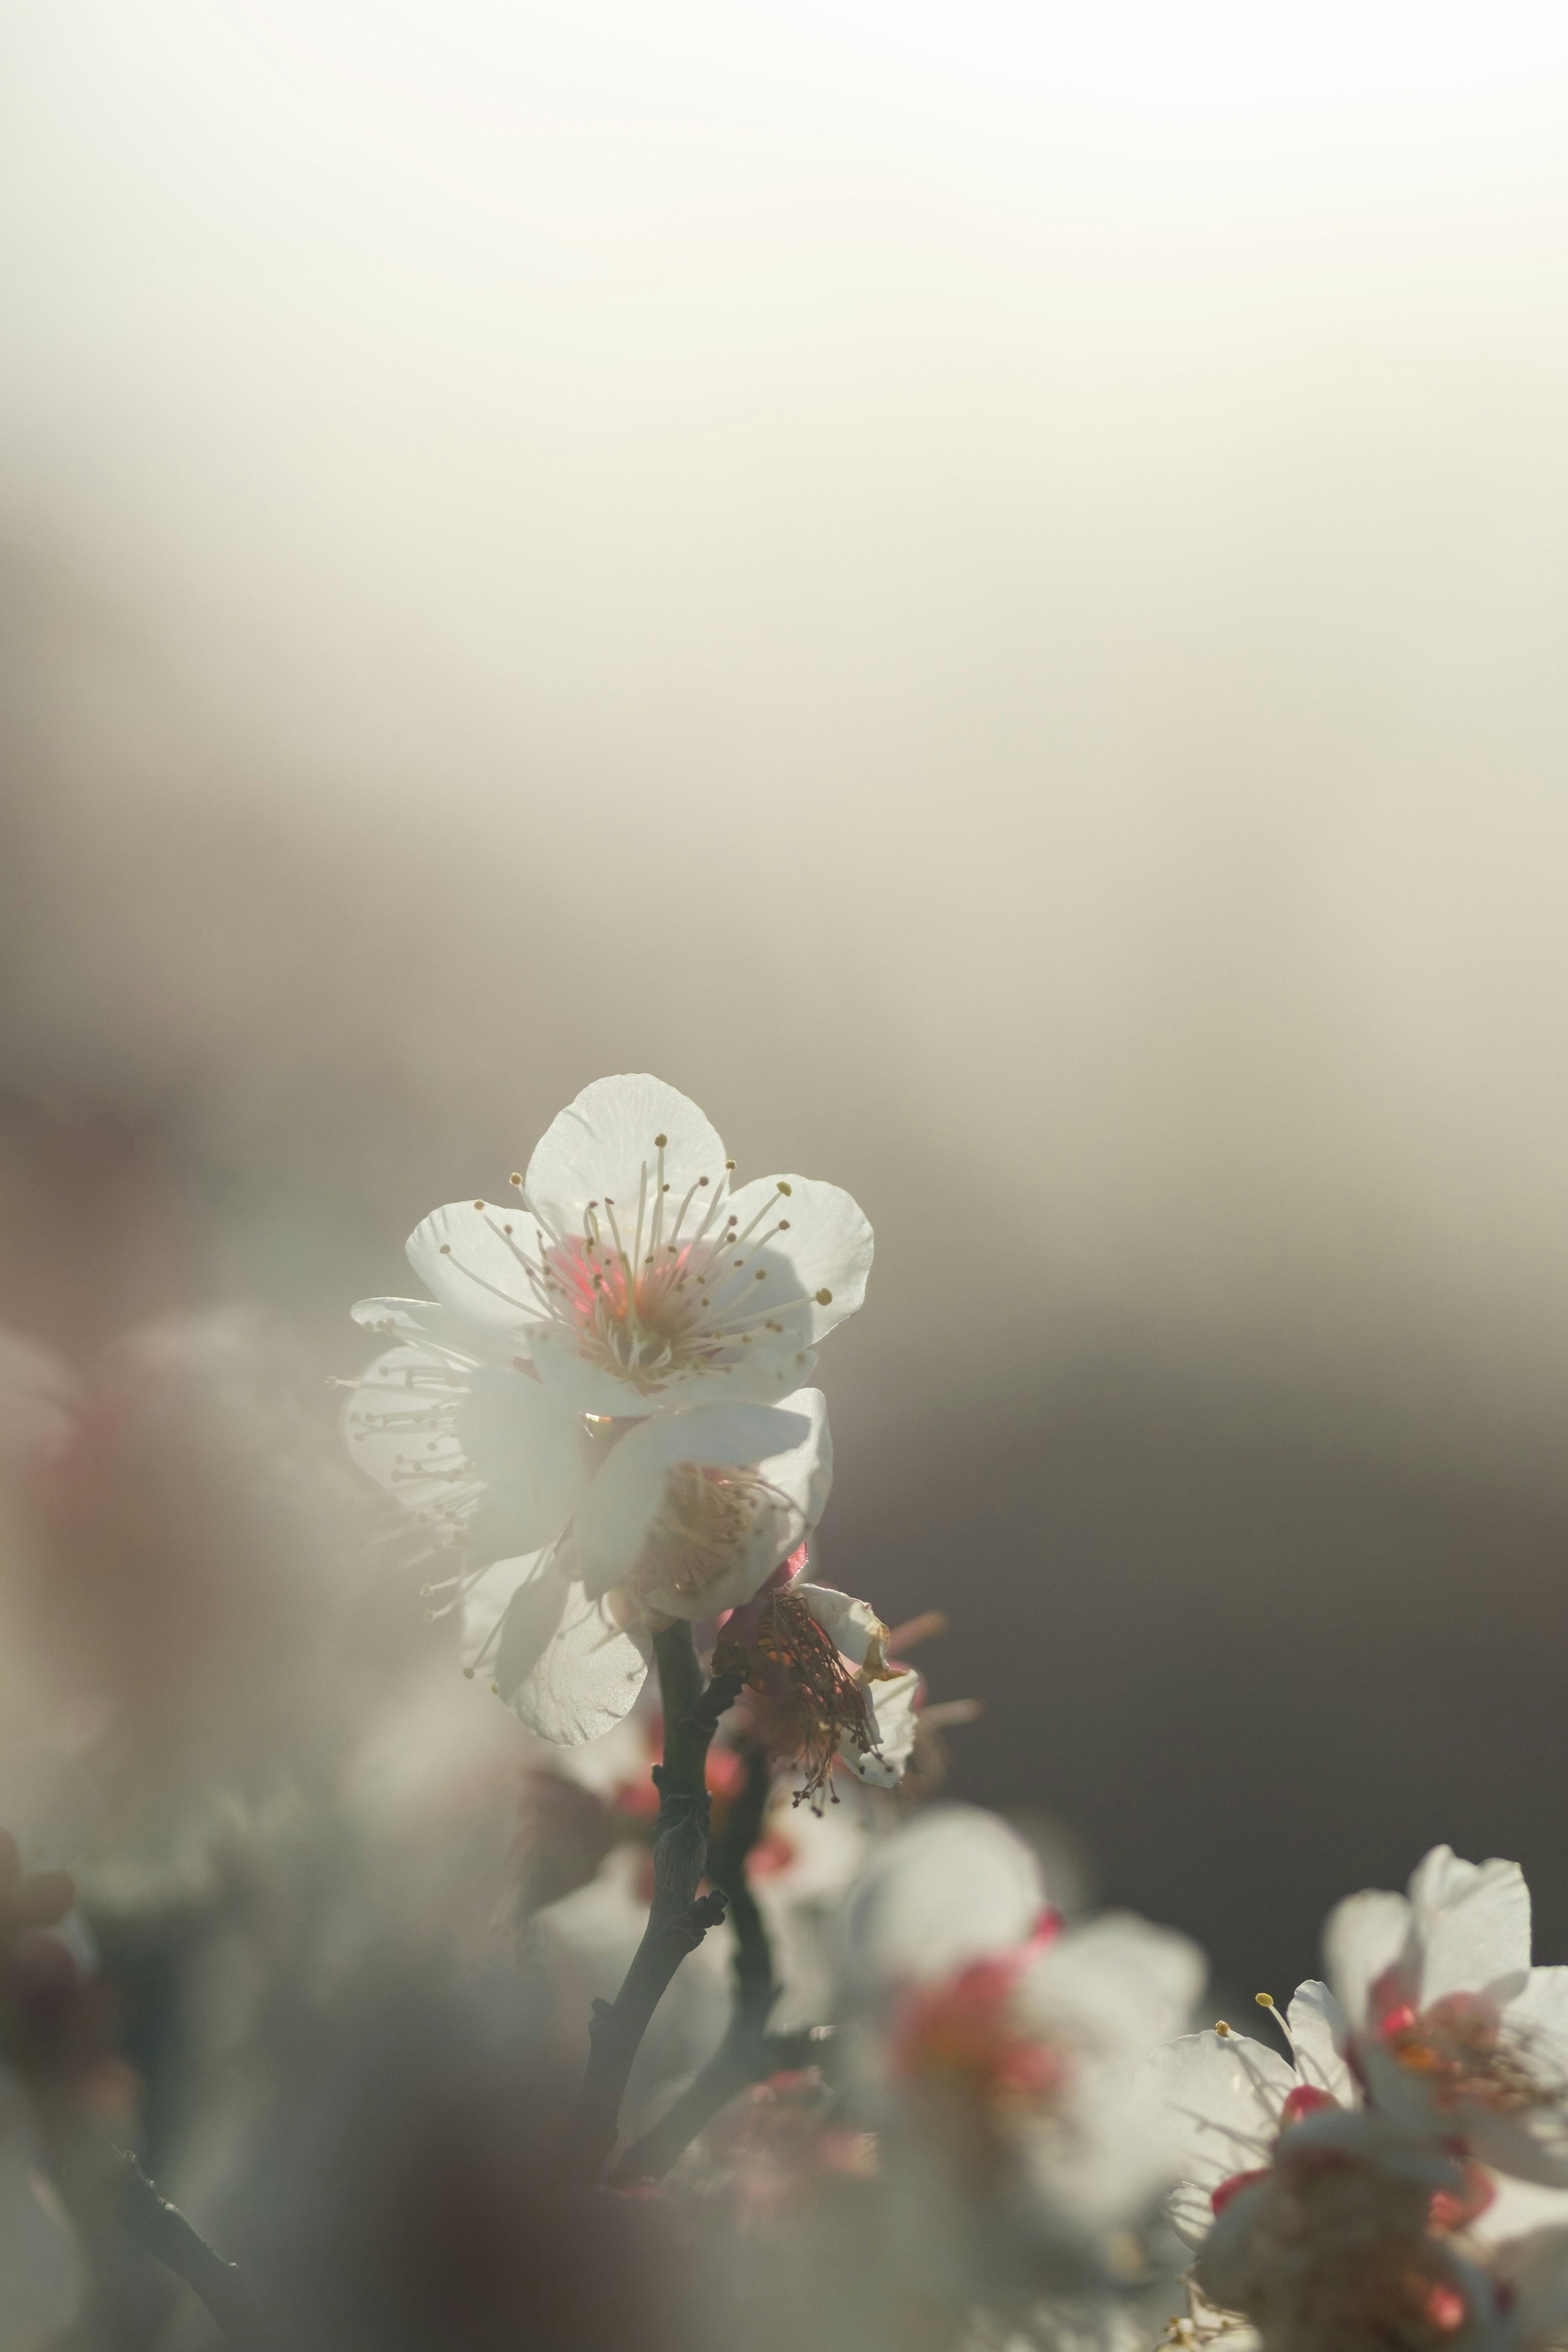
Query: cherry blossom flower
(1357, 2235)
(579, 1537)
(684, 1516)
(1001, 2054)
(631, 1270)
(1449, 2026)
(1229, 2097)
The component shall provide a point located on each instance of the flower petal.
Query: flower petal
(478, 1259)
(789, 1450)
(1365, 1936)
(894, 1725)
(1116, 1983)
(1318, 2033)
(1223, 2094)
(529, 1452)
(398, 1424)
(1473, 1923)
(828, 1246)
(771, 1367)
(430, 1324)
(585, 1679)
(953, 1884)
(853, 1626)
(604, 1144)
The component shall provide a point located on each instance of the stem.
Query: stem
(679, 1918)
(162, 2230)
(747, 2054)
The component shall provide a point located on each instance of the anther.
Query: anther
(783, 1188)
(1264, 1999)
(479, 1204)
(446, 1249)
(515, 1178)
(659, 1142)
(495, 1690)
(824, 1297)
(468, 1673)
(729, 1163)
(702, 1180)
(783, 1224)
(1221, 2028)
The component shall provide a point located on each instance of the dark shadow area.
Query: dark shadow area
(1252, 1673)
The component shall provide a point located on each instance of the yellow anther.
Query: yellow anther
(495, 1690)
(783, 1188)
(514, 1178)
(824, 1297)
(479, 1204)
(1264, 1999)
(729, 1163)
(1220, 2026)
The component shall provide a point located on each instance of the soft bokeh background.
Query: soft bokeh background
(982, 586)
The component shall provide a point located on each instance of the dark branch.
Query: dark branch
(162, 2230)
(679, 1918)
(746, 2054)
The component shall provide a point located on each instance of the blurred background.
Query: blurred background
(982, 586)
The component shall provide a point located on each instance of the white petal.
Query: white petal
(895, 1721)
(1542, 2009)
(587, 1677)
(486, 1599)
(1223, 2094)
(950, 1886)
(1365, 1936)
(790, 1450)
(1318, 2033)
(852, 1626)
(765, 1373)
(529, 1452)
(604, 1145)
(1473, 1922)
(1116, 1983)
(828, 1246)
(398, 1424)
(430, 1324)
(475, 1259)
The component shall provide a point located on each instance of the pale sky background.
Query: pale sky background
(982, 587)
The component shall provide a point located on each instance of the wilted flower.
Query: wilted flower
(631, 1272)
(817, 1660)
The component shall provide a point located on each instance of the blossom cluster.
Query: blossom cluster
(864, 2070)
(603, 1417)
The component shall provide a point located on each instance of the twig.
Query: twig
(162, 2230)
(679, 1918)
(744, 2056)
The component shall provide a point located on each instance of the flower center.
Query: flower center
(815, 1698)
(705, 1526)
(655, 1289)
(1460, 2049)
(961, 2037)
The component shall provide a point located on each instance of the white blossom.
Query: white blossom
(631, 1270)
(1000, 2054)
(1450, 2027)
